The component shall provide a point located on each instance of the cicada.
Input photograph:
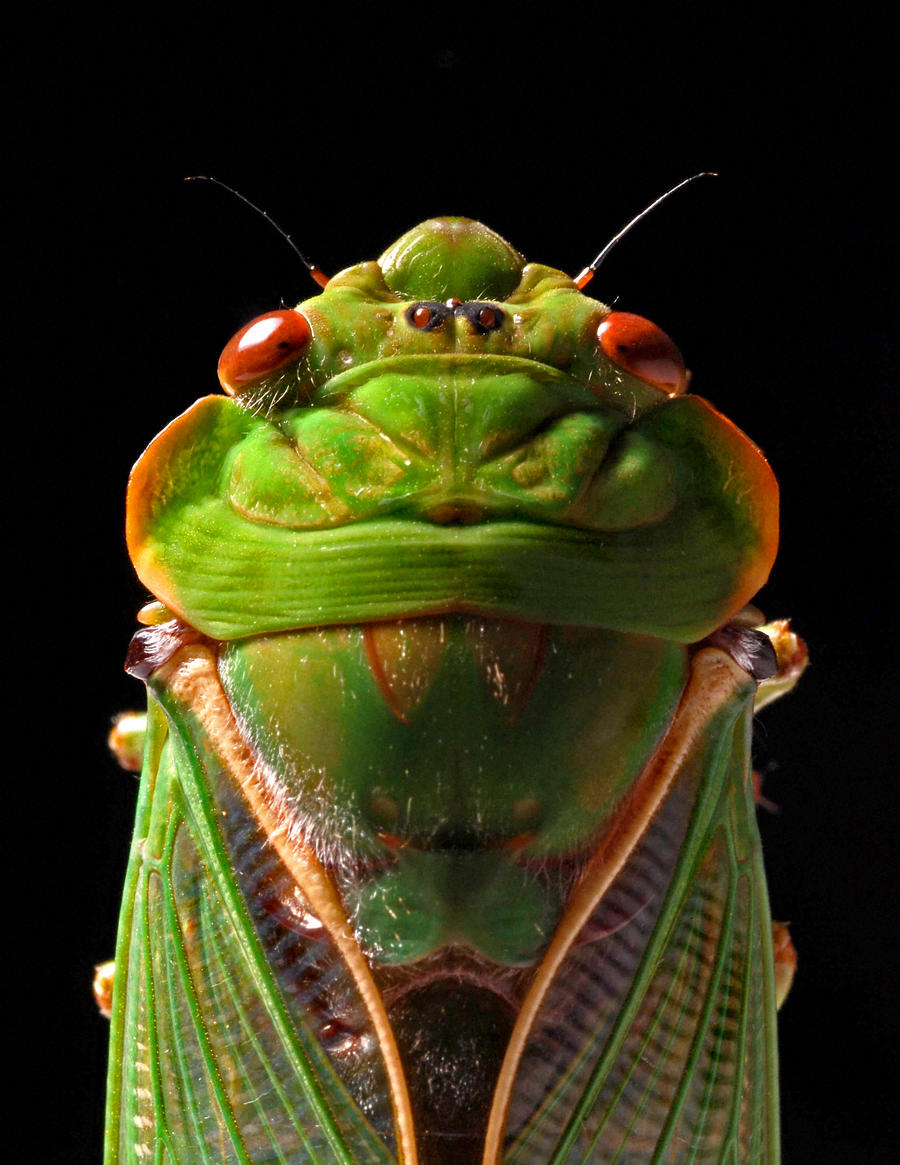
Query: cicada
(446, 846)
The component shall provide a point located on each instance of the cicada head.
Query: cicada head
(451, 384)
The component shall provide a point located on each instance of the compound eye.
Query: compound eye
(262, 347)
(427, 315)
(641, 348)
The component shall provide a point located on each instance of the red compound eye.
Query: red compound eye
(421, 317)
(487, 317)
(642, 349)
(261, 347)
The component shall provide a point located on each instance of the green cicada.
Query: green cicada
(445, 846)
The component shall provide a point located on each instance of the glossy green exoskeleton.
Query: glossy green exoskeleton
(445, 847)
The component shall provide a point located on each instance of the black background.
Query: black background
(776, 280)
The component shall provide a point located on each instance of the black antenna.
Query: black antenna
(316, 272)
(584, 277)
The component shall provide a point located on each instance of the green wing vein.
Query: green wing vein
(211, 1063)
(657, 1041)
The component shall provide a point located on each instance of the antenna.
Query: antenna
(316, 272)
(583, 278)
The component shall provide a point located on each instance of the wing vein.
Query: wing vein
(182, 1078)
(723, 951)
(209, 1056)
(219, 961)
(676, 896)
(657, 1020)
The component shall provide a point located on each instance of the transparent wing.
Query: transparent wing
(655, 1042)
(238, 1035)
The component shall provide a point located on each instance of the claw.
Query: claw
(785, 961)
(126, 740)
(759, 798)
(792, 656)
(104, 973)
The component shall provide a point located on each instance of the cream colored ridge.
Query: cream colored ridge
(192, 677)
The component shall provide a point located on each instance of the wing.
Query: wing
(654, 1040)
(239, 1034)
